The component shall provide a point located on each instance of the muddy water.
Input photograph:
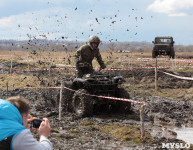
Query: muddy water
(170, 119)
(185, 134)
(170, 132)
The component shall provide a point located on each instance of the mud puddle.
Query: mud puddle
(170, 119)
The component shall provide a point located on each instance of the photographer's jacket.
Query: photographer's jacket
(13, 135)
(10, 123)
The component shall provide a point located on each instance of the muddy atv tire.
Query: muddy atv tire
(82, 103)
(124, 107)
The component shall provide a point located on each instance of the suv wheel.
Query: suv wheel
(172, 54)
(153, 54)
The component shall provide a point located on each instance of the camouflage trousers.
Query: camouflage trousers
(83, 70)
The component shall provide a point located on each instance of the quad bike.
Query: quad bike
(88, 91)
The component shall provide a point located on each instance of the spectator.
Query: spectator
(14, 128)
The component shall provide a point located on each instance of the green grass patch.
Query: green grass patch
(86, 123)
(55, 130)
(127, 133)
(74, 130)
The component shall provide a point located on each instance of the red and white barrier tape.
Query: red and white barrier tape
(40, 87)
(3, 62)
(106, 97)
(113, 98)
(46, 69)
(185, 61)
(137, 68)
(110, 69)
(166, 60)
(179, 77)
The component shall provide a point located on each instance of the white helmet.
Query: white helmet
(93, 38)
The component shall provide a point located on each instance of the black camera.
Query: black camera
(36, 123)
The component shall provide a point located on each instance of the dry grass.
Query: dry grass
(113, 60)
(18, 81)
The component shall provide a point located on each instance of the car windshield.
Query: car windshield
(163, 40)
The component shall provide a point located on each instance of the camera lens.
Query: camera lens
(36, 123)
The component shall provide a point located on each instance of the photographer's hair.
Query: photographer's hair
(20, 103)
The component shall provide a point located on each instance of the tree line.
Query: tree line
(70, 46)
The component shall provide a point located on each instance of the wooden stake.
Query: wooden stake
(49, 75)
(11, 65)
(60, 102)
(156, 81)
(28, 59)
(13, 76)
(142, 120)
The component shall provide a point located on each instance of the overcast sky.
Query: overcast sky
(111, 20)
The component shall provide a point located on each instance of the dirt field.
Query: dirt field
(167, 108)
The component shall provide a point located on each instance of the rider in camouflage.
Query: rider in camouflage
(85, 55)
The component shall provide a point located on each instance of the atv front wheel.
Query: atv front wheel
(82, 103)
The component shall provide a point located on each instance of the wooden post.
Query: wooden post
(13, 76)
(49, 74)
(11, 65)
(142, 119)
(49, 69)
(130, 65)
(60, 102)
(156, 82)
(28, 59)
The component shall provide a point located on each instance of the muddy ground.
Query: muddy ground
(83, 133)
(162, 114)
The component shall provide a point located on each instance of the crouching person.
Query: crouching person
(15, 131)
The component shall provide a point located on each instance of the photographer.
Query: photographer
(14, 128)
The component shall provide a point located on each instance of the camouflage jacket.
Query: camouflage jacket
(86, 54)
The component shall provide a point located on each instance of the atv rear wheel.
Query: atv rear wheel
(82, 103)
